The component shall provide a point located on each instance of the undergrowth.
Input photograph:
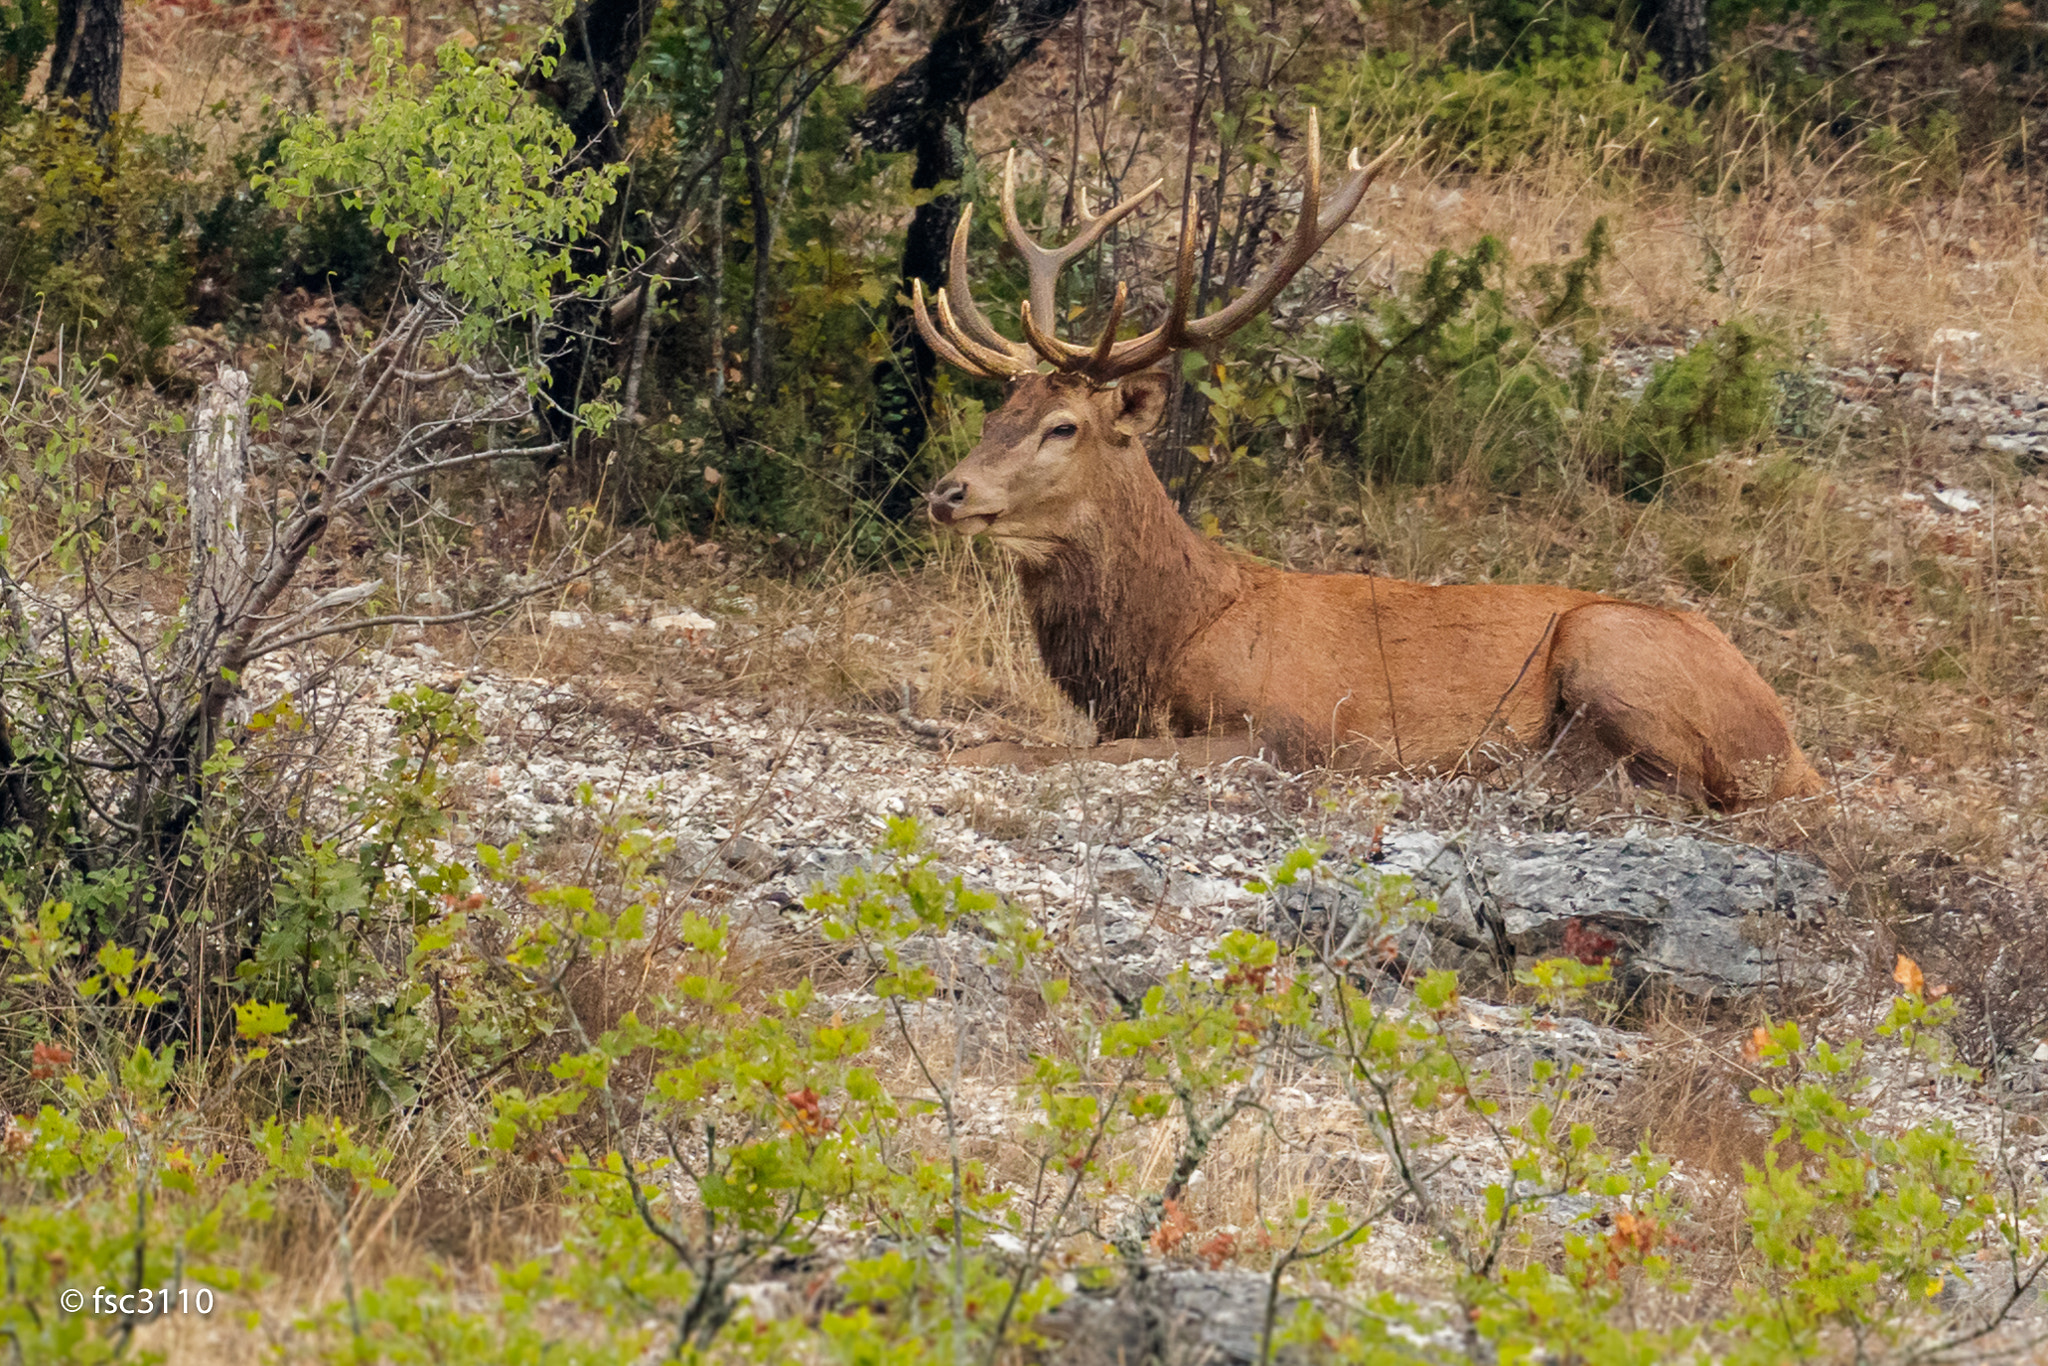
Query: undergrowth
(704, 1134)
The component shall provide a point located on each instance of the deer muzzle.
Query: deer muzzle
(948, 506)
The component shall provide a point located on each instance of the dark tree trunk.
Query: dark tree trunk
(85, 63)
(1677, 33)
(924, 111)
(21, 805)
(903, 379)
(594, 58)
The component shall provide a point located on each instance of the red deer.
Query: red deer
(1173, 644)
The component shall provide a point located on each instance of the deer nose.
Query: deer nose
(945, 501)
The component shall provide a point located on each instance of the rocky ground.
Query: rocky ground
(1137, 869)
(1967, 407)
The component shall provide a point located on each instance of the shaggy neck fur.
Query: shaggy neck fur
(1115, 602)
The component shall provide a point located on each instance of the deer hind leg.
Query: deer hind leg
(1670, 697)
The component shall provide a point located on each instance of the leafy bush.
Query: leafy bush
(463, 170)
(247, 249)
(91, 234)
(716, 1127)
(360, 915)
(133, 793)
(26, 28)
(109, 1183)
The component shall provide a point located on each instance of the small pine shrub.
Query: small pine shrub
(1455, 379)
(1722, 393)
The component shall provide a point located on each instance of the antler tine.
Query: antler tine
(1061, 353)
(1044, 264)
(1315, 227)
(937, 341)
(1143, 352)
(1107, 341)
(976, 327)
(1353, 189)
(970, 342)
(1008, 360)
(1310, 233)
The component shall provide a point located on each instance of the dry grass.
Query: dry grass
(1840, 238)
(1876, 275)
(186, 62)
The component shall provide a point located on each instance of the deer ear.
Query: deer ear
(1140, 400)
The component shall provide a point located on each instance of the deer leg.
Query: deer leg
(1195, 751)
(1668, 696)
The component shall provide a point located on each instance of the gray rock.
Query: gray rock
(1120, 872)
(826, 864)
(1706, 919)
(751, 858)
(1180, 1317)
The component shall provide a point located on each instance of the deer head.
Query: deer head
(1045, 457)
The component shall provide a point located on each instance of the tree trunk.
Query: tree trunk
(85, 64)
(217, 591)
(1677, 33)
(924, 110)
(903, 379)
(594, 57)
(216, 476)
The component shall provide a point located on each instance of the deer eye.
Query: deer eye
(1065, 429)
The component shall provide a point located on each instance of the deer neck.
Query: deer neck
(1114, 603)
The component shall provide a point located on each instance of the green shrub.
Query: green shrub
(91, 234)
(460, 169)
(109, 1182)
(1722, 393)
(26, 29)
(714, 1128)
(1453, 380)
(247, 250)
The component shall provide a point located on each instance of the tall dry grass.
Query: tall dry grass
(1869, 274)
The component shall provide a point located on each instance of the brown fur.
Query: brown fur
(1157, 632)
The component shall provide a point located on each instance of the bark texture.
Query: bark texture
(216, 477)
(85, 64)
(1677, 33)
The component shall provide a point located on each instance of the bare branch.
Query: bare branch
(262, 646)
(453, 462)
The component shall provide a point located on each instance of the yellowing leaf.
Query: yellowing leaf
(1909, 977)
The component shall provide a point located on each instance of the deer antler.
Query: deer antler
(970, 342)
